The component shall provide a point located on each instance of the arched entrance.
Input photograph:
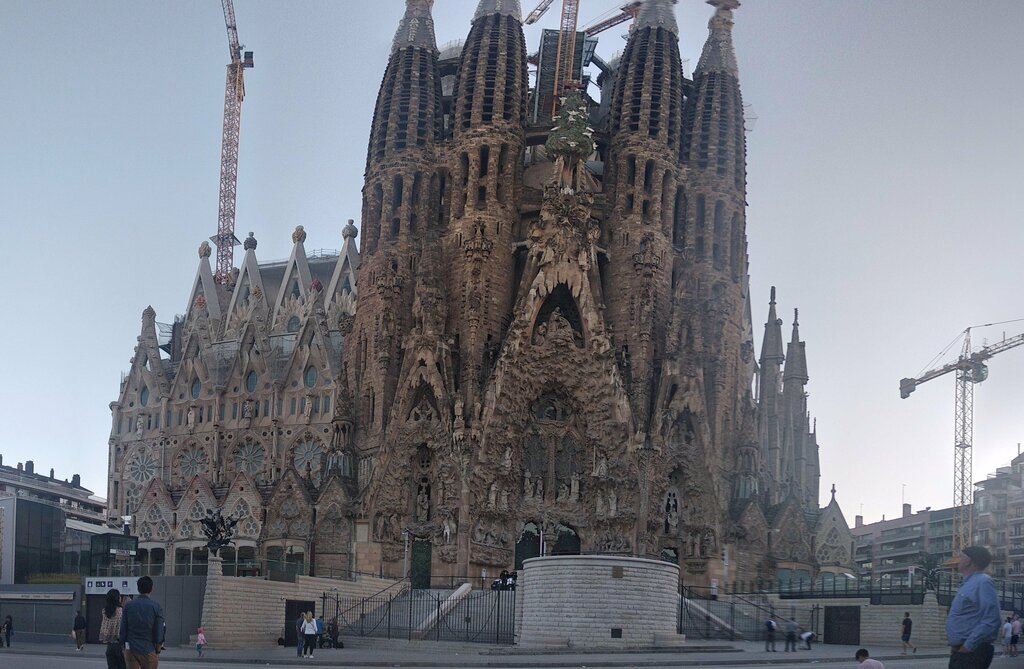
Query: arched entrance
(528, 545)
(567, 542)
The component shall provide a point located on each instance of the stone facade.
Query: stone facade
(550, 340)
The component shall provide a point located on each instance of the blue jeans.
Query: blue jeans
(298, 643)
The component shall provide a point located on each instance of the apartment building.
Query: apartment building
(889, 552)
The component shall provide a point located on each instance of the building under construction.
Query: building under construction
(543, 344)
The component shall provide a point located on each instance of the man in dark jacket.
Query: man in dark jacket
(79, 630)
(142, 629)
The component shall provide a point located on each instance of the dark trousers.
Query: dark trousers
(979, 658)
(790, 642)
(769, 639)
(309, 643)
(115, 656)
(79, 638)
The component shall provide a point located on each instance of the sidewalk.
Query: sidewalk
(398, 653)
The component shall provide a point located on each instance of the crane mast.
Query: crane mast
(627, 12)
(970, 369)
(234, 93)
(566, 50)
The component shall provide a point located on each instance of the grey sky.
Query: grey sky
(884, 198)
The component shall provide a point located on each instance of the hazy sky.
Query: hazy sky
(884, 198)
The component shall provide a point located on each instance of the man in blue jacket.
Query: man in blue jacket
(142, 629)
(974, 618)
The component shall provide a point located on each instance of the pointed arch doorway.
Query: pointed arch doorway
(528, 545)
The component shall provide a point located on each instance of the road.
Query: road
(14, 660)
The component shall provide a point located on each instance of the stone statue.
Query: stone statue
(190, 419)
(538, 489)
(247, 409)
(563, 491)
(504, 500)
(307, 410)
(506, 461)
(527, 485)
(447, 528)
(600, 467)
(218, 530)
(138, 427)
(613, 504)
(492, 495)
(423, 502)
(574, 487)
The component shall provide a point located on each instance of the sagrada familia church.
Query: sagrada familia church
(543, 343)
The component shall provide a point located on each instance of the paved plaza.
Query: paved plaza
(378, 653)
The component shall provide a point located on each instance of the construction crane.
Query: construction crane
(234, 93)
(970, 369)
(627, 12)
(566, 52)
(538, 12)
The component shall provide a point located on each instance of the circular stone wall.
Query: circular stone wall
(597, 601)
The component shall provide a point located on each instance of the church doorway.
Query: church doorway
(528, 545)
(422, 554)
(567, 542)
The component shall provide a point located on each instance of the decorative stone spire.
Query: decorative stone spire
(350, 231)
(658, 14)
(507, 7)
(718, 54)
(417, 26)
(796, 359)
(299, 236)
(771, 347)
(205, 250)
(249, 243)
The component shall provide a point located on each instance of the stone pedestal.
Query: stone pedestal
(596, 601)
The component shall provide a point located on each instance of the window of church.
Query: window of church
(249, 457)
(293, 324)
(326, 404)
(250, 382)
(144, 396)
(310, 376)
(197, 387)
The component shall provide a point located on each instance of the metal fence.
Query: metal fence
(483, 616)
(739, 617)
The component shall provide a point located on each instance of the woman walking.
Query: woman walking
(308, 634)
(110, 629)
(8, 629)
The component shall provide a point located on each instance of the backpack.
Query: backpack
(770, 624)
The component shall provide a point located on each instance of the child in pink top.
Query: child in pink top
(200, 641)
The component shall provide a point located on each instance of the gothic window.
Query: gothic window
(293, 324)
(145, 532)
(679, 221)
(249, 457)
(310, 376)
(144, 396)
(567, 542)
(250, 382)
(719, 248)
(154, 515)
(196, 511)
(241, 509)
(648, 176)
(559, 317)
(197, 387)
(551, 408)
(308, 456)
(142, 467)
(193, 461)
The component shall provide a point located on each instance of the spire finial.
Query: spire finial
(772, 301)
(510, 7)
(349, 231)
(657, 14)
(299, 236)
(833, 492)
(249, 243)
(417, 26)
(796, 316)
(718, 54)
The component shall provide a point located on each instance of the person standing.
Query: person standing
(1016, 627)
(110, 629)
(320, 631)
(142, 629)
(769, 634)
(78, 630)
(974, 619)
(200, 641)
(1007, 633)
(8, 629)
(905, 627)
(792, 629)
(309, 634)
(299, 640)
(864, 661)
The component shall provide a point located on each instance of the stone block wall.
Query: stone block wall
(249, 612)
(595, 601)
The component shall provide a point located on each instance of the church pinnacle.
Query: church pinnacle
(510, 7)
(417, 26)
(718, 54)
(657, 14)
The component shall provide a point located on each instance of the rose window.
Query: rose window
(194, 461)
(241, 509)
(142, 467)
(163, 530)
(145, 532)
(308, 453)
(154, 515)
(185, 530)
(250, 528)
(249, 457)
(196, 511)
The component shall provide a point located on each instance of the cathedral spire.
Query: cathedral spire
(508, 7)
(796, 359)
(417, 26)
(718, 54)
(771, 347)
(657, 14)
